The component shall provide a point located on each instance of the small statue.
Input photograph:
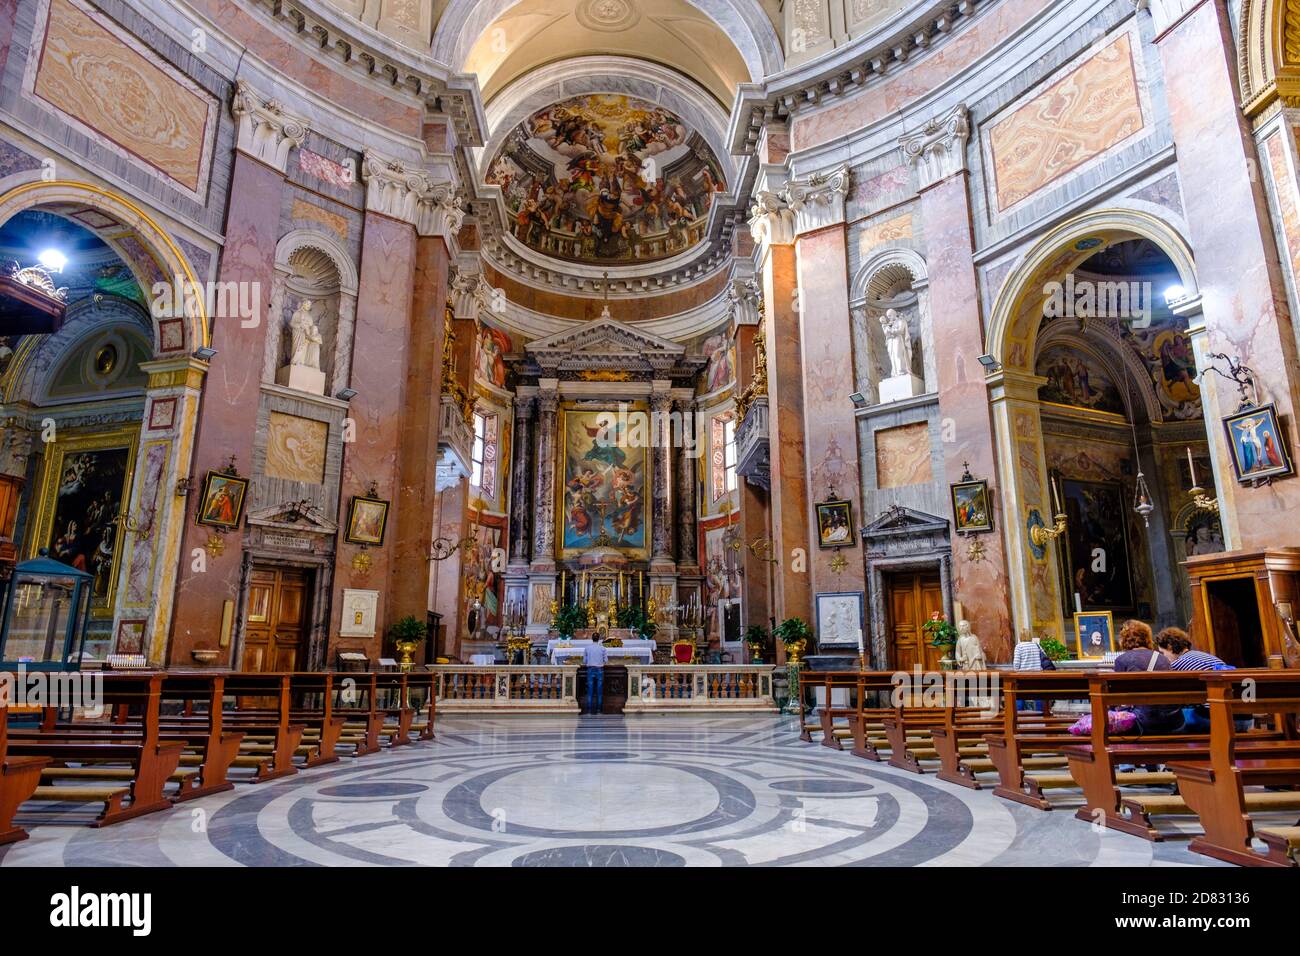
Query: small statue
(898, 343)
(970, 653)
(304, 336)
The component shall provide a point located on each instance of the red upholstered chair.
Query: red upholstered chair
(683, 651)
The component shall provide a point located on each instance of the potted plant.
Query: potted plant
(637, 620)
(407, 633)
(568, 619)
(756, 638)
(1054, 649)
(943, 634)
(794, 634)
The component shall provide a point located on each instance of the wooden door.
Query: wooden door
(910, 600)
(276, 636)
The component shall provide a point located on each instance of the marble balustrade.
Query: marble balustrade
(692, 688)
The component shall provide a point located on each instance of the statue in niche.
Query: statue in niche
(304, 338)
(898, 343)
(969, 651)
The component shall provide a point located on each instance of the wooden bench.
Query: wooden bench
(1024, 742)
(1215, 787)
(421, 697)
(272, 738)
(826, 713)
(152, 761)
(392, 689)
(1093, 763)
(19, 778)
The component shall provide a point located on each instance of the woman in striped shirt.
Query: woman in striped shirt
(1177, 648)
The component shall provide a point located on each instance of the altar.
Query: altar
(561, 650)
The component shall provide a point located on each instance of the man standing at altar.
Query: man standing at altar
(594, 657)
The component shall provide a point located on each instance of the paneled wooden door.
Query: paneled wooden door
(911, 598)
(276, 636)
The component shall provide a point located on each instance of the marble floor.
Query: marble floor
(603, 791)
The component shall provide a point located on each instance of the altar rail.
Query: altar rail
(694, 688)
(506, 688)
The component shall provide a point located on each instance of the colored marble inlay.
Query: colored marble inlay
(1087, 112)
(903, 455)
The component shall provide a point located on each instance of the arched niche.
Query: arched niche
(897, 278)
(312, 266)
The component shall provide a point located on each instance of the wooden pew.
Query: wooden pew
(1215, 787)
(394, 689)
(827, 713)
(152, 760)
(1093, 762)
(1023, 741)
(19, 777)
(274, 759)
(421, 695)
(364, 719)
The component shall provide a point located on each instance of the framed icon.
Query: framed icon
(222, 502)
(1255, 439)
(835, 524)
(971, 508)
(1094, 634)
(367, 520)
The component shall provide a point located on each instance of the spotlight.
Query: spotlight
(1174, 293)
(52, 259)
(858, 399)
(205, 353)
(990, 364)
(346, 394)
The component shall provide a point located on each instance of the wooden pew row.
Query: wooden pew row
(1094, 763)
(1222, 789)
(19, 778)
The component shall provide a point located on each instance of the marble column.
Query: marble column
(1242, 288)
(544, 490)
(754, 519)
(519, 481)
(979, 583)
(772, 226)
(228, 414)
(831, 427)
(661, 518)
(687, 479)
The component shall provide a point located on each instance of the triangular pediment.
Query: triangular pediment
(899, 520)
(605, 343)
(293, 516)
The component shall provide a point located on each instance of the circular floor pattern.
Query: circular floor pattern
(604, 792)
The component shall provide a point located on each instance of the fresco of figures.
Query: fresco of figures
(603, 497)
(607, 178)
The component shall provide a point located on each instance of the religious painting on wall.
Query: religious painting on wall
(1258, 451)
(1096, 550)
(602, 497)
(367, 520)
(86, 487)
(1094, 634)
(1166, 350)
(834, 524)
(606, 178)
(839, 618)
(971, 510)
(721, 368)
(1075, 382)
(222, 501)
(493, 346)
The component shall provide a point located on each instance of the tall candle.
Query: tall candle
(1056, 497)
(1078, 604)
(1191, 466)
(861, 646)
(563, 592)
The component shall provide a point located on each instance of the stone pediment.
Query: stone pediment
(293, 516)
(903, 522)
(605, 343)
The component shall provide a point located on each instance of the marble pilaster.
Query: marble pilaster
(548, 402)
(661, 507)
(519, 481)
(687, 480)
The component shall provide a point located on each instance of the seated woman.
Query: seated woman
(1139, 654)
(1176, 646)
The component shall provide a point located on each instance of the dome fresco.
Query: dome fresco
(608, 179)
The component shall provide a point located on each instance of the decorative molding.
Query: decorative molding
(439, 212)
(818, 200)
(744, 301)
(266, 130)
(771, 221)
(938, 149)
(406, 192)
(472, 295)
(605, 343)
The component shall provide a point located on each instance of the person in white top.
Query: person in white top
(594, 657)
(1027, 658)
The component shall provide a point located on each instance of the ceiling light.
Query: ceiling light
(1174, 293)
(53, 259)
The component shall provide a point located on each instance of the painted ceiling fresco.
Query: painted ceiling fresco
(608, 179)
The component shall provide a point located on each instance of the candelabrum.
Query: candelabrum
(514, 621)
(1041, 534)
(1202, 501)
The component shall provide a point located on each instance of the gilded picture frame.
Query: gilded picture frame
(367, 520)
(1090, 622)
(215, 502)
(1257, 445)
(835, 524)
(972, 508)
(99, 536)
(578, 519)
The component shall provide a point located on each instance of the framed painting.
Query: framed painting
(839, 618)
(1094, 634)
(1258, 451)
(222, 502)
(971, 508)
(602, 498)
(86, 487)
(1095, 545)
(835, 524)
(367, 520)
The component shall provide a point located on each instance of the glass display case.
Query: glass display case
(45, 612)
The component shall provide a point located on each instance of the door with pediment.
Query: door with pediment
(275, 637)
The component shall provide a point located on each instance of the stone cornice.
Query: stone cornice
(818, 200)
(403, 191)
(938, 149)
(266, 131)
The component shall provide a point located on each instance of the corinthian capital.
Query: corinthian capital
(471, 295)
(771, 221)
(938, 149)
(440, 212)
(393, 188)
(818, 200)
(266, 131)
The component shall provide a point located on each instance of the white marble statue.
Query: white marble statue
(970, 653)
(304, 337)
(898, 343)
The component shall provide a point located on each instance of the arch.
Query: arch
(1116, 356)
(755, 38)
(1268, 54)
(166, 254)
(1011, 341)
(306, 239)
(886, 258)
(884, 269)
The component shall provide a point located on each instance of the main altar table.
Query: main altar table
(641, 650)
